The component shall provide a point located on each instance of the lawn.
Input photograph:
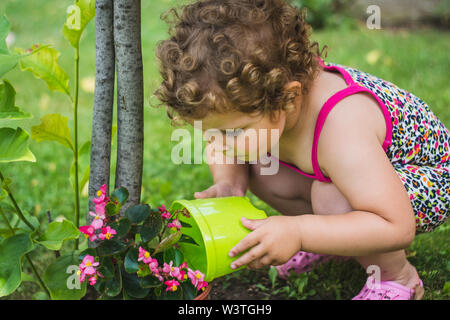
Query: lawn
(417, 61)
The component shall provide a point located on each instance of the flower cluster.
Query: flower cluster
(87, 269)
(175, 224)
(99, 219)
(172, 275)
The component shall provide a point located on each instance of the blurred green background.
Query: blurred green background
(414, 59)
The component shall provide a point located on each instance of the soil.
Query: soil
(242, 286)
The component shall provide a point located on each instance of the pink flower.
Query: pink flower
(101, 194)
(164, 212)
(93, 280)
(144, 255)
(97, 222)
(183, 265)
(175, 224)
(173, 271)
(202, 285)
(89, 232)
(100, 208)
(88, 264)
(172, 285)
(153, 266)
(196, 277)
(107, 233)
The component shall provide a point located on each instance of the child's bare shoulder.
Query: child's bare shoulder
(359, 114)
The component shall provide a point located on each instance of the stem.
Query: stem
(27, 256)
(13, 200)
(37, 275)
(75, 117)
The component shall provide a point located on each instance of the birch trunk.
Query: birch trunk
(130, 100)
(103, 101)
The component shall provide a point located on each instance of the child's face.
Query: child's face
(249, 141)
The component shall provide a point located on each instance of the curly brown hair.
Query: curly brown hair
(234, 55)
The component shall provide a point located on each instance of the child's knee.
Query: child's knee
(327, 199)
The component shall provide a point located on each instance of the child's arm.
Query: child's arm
(229, 179)
(382, 220)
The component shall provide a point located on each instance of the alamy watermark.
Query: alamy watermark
(374, 19)
(373, 281)
(73, 281)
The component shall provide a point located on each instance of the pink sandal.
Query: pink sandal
(390, 290)
(305, 261)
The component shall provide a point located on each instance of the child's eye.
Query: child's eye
(234, 132)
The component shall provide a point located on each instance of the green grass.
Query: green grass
(417, 61)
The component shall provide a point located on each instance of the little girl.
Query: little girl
(365, 164)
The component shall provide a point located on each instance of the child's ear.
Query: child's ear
(293, 86)
(292, 90)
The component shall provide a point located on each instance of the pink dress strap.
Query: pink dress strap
(328, 106)
(352, 88)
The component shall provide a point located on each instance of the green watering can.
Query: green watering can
(215, 226)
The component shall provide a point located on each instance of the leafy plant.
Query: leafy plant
(18, 239)
(137, 257)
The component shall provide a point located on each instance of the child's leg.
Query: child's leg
(393, 265)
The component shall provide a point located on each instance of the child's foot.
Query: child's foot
(407, 286)
(303, 262)
(390, 290)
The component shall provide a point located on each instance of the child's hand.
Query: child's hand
(220, 189)
(273, 242)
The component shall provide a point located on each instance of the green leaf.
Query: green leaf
(61, 280)
(131, 260)
(85, 178)
(106, 267)
(78, 16)
(85, 148)
(58, 232)
(44, 65)
(11, 252)
(131, 285)
(8, 110)
(179, 257)
(273, 273)
(144, 271)
(189, 291)
(138, 213)
(121, 195)
(113, 286)
(7, 63)
(169, 255)
(184, 224)
(151, 227)
(14, 146)
(112, 209)
(168, 242)
(27, 277)
(122, 227)
(53, 127)
(110, 247)
(150, 282)
(5, 27)
(187, 239)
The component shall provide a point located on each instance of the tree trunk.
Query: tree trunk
(103, 101)
(130, 100)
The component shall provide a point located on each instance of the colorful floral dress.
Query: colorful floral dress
(416, 143)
